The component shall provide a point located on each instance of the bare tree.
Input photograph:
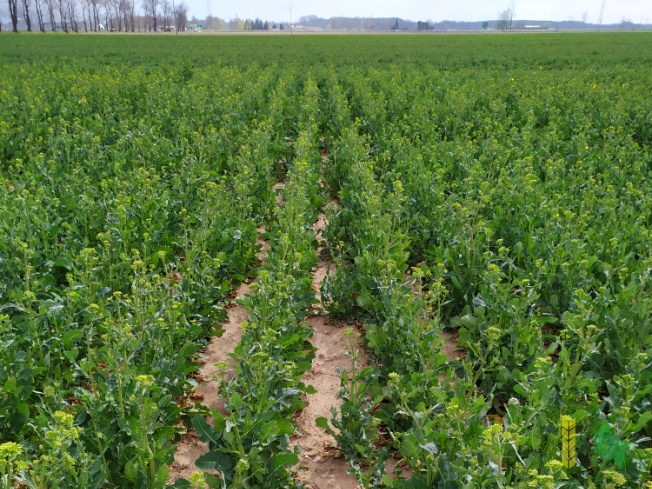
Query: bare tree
(62, 15)
(166, 11)
(71, 7)
(181, 16)
(39, 14)
(107, 14)
(25, 4)
(95, 14)
(151, 9)
(145, 7)
(52, 6)
(124, 8)
(511, 15)
(132, 14)
(117, 12)
(13, 13)
(505, 19)
(87, 11)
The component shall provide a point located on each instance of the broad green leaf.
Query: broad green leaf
(323, 423)
(162, 475)
(413, 483)
(204, 430)
(283, 460)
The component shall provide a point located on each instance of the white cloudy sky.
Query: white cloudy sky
(614, 11)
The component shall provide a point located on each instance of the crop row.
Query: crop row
(528, 222)
(119, 246)
(506, 204)
(249, 442)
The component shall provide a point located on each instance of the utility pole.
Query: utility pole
(601, 14)
(511, 15)
(290, 20)
(176, 19)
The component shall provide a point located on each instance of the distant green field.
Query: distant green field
(490, 192)
(441, 51)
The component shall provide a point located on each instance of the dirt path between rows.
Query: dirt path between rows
(320, 469)
(190, 448)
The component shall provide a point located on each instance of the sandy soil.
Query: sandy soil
(319, 468)
(190, 447)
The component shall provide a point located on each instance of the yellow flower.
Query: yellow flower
(9, 449)
(145, 380)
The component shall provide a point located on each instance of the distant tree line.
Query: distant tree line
(256, 25)
(238, 24)
(100, 15)
(171, 15)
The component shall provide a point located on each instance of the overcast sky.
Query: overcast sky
(614, 11)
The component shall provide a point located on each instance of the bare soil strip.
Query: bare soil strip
(320, 468)
(190, 448)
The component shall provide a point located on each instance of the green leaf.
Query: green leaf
(204, 430)
(387, 480)
(23, 409)
(323, 423)
(64, 261)
(547, 320)
(70, 336)
(430, 448)
(268, 431)
(72, 354)
(363, 300)
(284, 427)
(214, 460)
(182, 484)
(609, 446)
(162, 475)
(413, 483)
(208, 461)
(283, 460)
(580, 414)
(10, 385)
(642, 421)
(409, 446)
(130, 471)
